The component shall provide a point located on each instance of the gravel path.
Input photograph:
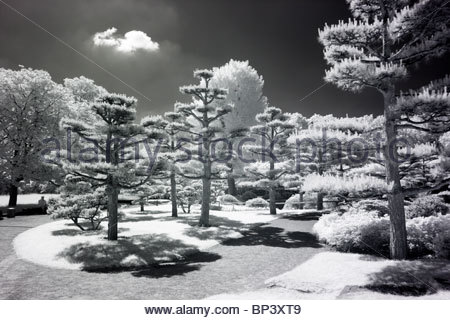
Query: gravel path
(236, 265)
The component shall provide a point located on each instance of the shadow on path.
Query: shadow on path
(412, 278)
(310, 216)
(267, 235)
(192, 263)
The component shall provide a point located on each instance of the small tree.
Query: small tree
(149, 191)
(79, 201)
(207, 114)
(106, 143)
(273, 129)
(172, 125)
(188, 193)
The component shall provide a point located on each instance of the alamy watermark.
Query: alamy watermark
(356, 151)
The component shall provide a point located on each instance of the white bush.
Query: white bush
(257, 203)
(333, 185)
(425, 206)
(292, 202)
(228, 199)
(366, 231)
(354, 231)
(429, 235)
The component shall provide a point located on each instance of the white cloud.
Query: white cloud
(131, 41)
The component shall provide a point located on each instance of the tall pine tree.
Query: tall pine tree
(376, 49)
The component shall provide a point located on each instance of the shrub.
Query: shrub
(426, 206)
(354, 231)
(379, 206)
(429, 235)
(257, 203)
(228, 199)
(247, 195)
(366, 232)
(309, 200)
(332, 185)
(80, 207)
(292, 202)
(215, 207)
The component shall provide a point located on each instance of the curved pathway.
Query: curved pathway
(234, 266)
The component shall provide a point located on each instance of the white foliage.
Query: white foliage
(333, 185)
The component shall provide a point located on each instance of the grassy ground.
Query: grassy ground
(333, 275)
(145, 238)
(264, 251)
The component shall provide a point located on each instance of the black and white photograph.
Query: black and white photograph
(218, 152)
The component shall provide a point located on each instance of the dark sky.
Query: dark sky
(278, 37)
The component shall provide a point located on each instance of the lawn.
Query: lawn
(335, 275)
(144, 239)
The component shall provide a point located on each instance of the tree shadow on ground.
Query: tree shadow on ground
(309, 216)
(193, 262)
(412, 278)
(221, 228)
(143, 255)
(253, 234)
(78, 232)
(215, 221)
(69, 232)
(265, 235)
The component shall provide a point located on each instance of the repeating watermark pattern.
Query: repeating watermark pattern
(356, 151)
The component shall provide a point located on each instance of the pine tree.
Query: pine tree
(147, 191)
(425, 119)
(206, 113)
(273, 129)
(80, 201)
(375, 49)
(172, 126)
(106, 159)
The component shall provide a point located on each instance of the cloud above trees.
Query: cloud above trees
(130, 42)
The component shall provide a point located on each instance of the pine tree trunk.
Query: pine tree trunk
(272, 201)
(206, 193)
(206, 197)
(320, 201)
(173, 193)
(320, 195)
(398, 244)
(13, 194)
(231, 185)
(142, 207)
(113, 200)
(272, 192)
(301, 204)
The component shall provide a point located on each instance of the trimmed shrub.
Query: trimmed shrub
(247, 195)
(228, 199)
(379, 206)
(257, 203)
(355, 231)
(366, 232)
(429, 236)
(426, 206)
(293, 202)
